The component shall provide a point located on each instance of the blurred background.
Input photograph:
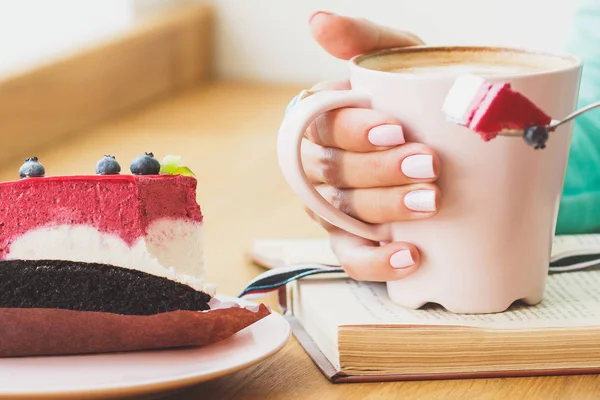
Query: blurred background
(208, 80)
(268, 40)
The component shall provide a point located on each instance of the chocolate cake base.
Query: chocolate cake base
(81, 286)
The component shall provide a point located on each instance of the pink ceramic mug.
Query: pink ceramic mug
(490, 243)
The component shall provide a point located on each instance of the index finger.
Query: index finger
(353, 129)
(356, 129)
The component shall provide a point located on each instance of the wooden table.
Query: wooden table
(227, 134)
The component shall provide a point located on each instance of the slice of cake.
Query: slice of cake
(489, 108)
(107, 262)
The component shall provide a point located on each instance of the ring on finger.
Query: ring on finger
(300, 96)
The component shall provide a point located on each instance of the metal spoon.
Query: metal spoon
(555, 123)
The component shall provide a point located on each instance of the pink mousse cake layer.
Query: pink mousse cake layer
(123, 205)
(496, 107)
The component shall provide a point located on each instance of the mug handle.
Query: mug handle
(296, 121)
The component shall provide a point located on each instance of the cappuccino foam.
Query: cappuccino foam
(473, 68)
(482, 61)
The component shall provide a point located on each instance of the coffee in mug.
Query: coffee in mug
(455, 61)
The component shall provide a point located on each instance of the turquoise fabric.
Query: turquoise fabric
(580, 203)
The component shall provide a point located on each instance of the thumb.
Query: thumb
(344, 37)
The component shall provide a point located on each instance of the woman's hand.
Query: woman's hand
(359, 161)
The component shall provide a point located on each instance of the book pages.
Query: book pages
(571, 300)
(277, 252)
(569, 245)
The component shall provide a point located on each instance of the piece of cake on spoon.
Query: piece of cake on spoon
(490, 108)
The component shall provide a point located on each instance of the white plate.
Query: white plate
(122, 375)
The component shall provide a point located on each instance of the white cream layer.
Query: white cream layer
(172, 249)
(460, 96)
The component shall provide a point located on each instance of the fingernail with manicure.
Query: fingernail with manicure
(401, 259)
(419, 166)
(313, 15)
(386, 135)
(420, 200)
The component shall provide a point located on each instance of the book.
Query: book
(354, 332)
